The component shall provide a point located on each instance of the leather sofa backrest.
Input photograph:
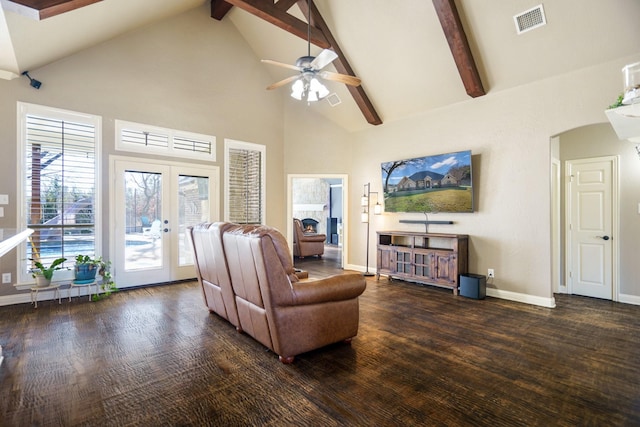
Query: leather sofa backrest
(245, 267)
(211, 265)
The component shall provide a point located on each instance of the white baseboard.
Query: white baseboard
(25, 297)
(492, 292)
(359, 268)
(629, 299)
(524, 298)
(19, 298)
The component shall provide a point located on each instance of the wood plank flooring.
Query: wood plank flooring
(156, 357)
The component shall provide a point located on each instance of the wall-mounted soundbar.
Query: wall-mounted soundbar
(411, 221)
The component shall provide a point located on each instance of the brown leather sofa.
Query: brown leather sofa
(212, 271)
(306, 244)
(287, 315)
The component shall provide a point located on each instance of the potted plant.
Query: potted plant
(88, 267)
(44, 274)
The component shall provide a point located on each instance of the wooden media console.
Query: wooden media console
(428, 258)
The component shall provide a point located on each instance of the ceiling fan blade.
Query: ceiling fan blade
(323, 59)
(342, 78)
(281, 64)
(282, 82)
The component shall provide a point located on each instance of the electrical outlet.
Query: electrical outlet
(6, 277)
(491, 273)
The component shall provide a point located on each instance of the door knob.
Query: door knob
(603, 237)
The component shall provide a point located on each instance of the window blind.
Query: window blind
(59, 187)
(245, 186)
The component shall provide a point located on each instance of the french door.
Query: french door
(153, 204)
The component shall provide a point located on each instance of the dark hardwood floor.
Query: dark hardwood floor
(155, 356)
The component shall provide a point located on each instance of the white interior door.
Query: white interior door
(591, 226)
(154, 204)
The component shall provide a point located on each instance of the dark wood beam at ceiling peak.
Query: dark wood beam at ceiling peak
(267, 10)
(276, 14)
(285, 4)
(48, 8)
(342, 66)
(459, 45)
(219, 9)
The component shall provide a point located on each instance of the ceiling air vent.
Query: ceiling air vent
(530, 19)
(334, 99)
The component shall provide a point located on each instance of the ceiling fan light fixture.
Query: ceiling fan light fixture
(318, 88)
(297, 90)
(312, 96)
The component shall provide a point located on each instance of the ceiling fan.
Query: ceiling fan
(307, 86)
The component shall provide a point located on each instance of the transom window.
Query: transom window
(140, 138)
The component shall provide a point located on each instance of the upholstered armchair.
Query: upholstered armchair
(306, 244)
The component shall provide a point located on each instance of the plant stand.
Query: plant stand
(52, 287)
(82, 284)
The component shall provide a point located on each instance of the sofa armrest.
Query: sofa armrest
(340, 287)
(313, 238)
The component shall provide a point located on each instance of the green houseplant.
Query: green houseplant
(43, 274)
(88, 267)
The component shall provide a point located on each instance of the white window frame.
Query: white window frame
(171, 134)
(230, 144)
(24, 109)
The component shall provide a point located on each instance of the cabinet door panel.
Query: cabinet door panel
(422, 264)
(384, 260)
(445, 268)
(403, 262)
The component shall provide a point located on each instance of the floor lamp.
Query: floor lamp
(365, 216)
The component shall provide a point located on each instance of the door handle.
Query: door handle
(166, 230)
(603, 237)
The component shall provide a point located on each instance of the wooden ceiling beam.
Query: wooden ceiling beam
(267, 10)
(219, 9)
(459, 45)
(342, 65)
(285, 4)
(43, 9)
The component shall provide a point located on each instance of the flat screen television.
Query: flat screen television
(440, 183)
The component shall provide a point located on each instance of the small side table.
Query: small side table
(84, 283)
(35, 289)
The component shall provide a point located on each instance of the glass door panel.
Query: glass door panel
(143, 224)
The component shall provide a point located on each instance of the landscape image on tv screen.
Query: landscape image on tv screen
(440, 183)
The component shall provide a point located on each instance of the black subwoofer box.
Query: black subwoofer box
(473, 286)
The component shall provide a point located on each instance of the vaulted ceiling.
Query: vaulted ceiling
(412, 55)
